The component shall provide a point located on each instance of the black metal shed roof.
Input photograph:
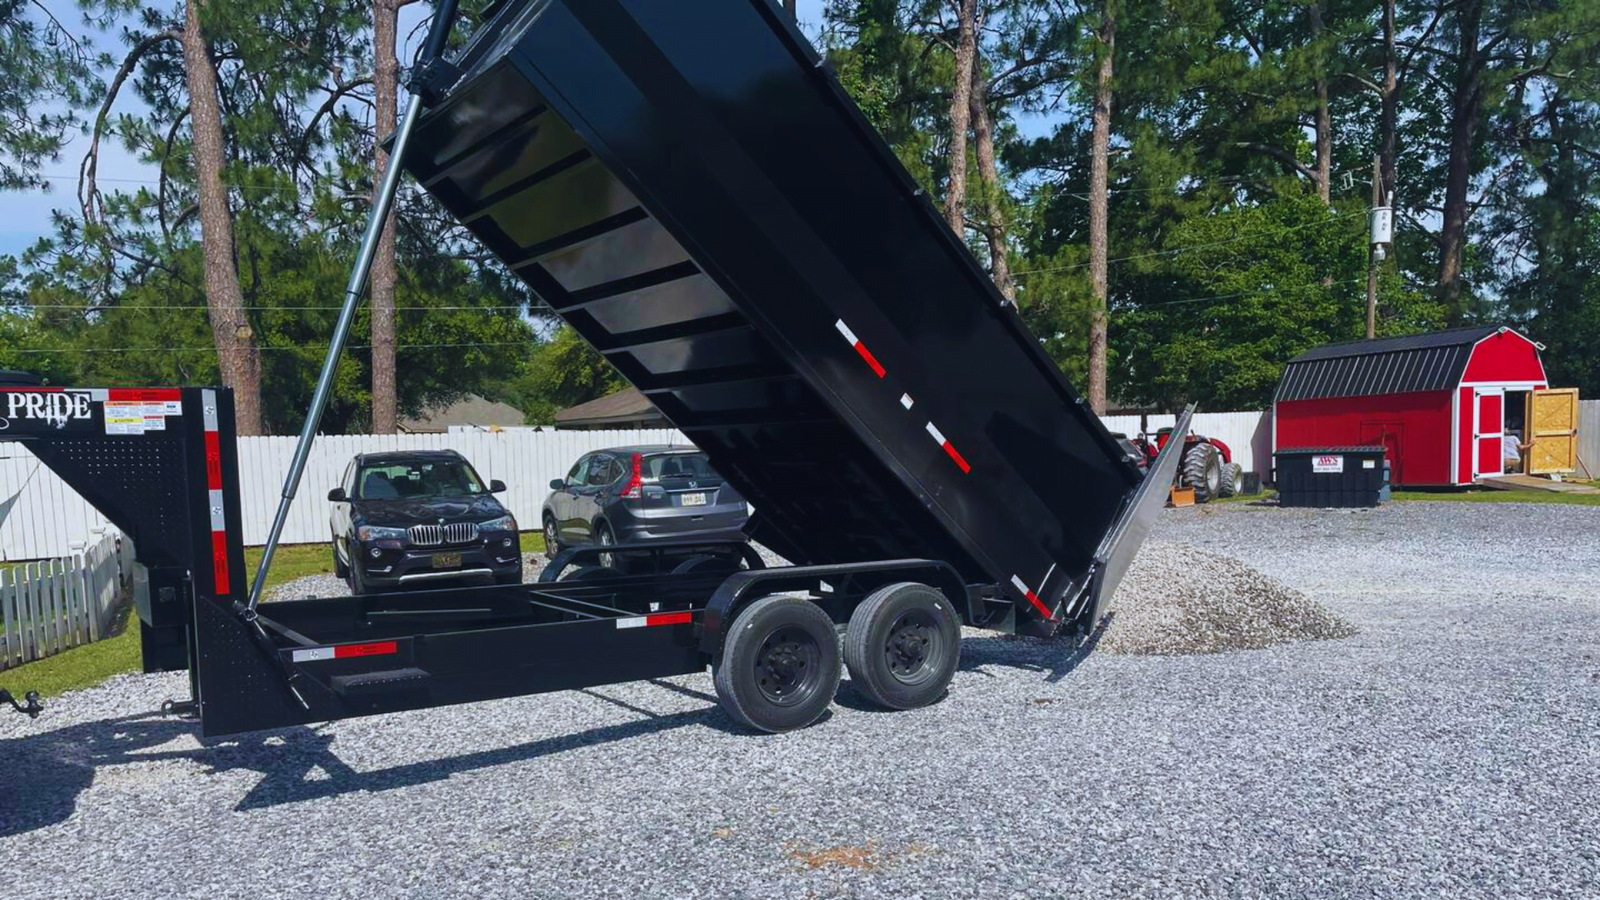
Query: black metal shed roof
(1397, 365)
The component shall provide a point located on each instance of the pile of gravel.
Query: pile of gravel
(1178, 599)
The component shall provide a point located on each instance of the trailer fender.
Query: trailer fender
(849, 583)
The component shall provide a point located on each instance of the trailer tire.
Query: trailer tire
(779, 666)
(903, 646)
(1202, 470)
(1232, 480)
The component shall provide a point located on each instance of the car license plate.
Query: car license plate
(446, 560)
(697, 498)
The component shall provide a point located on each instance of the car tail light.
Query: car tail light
(635, 481)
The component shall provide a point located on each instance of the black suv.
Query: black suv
(417, 518)
(638, 494)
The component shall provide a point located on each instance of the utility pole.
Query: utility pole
(1380, 227)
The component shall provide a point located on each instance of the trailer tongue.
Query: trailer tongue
(690, 189)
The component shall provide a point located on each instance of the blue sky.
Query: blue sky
(25, 215)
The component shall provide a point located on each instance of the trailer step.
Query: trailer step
(389, 681)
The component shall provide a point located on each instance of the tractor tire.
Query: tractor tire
(1202, 470)
(1232, 480)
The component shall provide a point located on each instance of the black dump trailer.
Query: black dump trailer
(689, 187)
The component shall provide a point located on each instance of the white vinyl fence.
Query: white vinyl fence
(525, 460)
(1247, 434)
(1589, 438)
(52, 605)
(41, 517)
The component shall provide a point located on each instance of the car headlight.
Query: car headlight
(504, 523)
(380, 533)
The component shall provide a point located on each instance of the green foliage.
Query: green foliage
(45, 66)
(563, 371)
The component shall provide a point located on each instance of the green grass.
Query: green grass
(92, 664)
(1494, 496)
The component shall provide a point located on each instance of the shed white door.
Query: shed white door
(1488, 431)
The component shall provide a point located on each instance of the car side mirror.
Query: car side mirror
(337, 495)
(496, 486)
(557, 484)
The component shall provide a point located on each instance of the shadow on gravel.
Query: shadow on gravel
(45, 773)
(1055, 657)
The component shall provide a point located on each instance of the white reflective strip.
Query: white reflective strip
(208, 404)
(1046, 579)
(218, 523)
(936, 435)
(906, 401)
(632, 622)
(98, 395)
(313, 654)
(1020, 586)
(845, 330)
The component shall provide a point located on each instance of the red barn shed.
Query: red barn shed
(1441, 403)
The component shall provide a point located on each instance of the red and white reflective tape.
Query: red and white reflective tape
(650, 621)
(219, 518)
(347, 651)
(949, 449)
(872, 361)
(1032, 597)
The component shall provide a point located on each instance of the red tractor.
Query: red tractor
(1207, 464)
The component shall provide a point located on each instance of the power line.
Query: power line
(32, 306)
(1256, 292)
(268, 349)
(1186, 248)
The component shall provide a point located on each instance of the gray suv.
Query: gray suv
(643, 493)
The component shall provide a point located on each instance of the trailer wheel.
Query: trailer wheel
(1232, 480)
(903, 645)
(1202, 470)
(779, 666)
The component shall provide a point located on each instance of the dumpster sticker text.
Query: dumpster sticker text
(1327, 464)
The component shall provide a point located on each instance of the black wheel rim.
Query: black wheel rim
(788, 667)
(914, 647)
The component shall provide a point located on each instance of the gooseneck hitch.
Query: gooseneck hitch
(32, 708)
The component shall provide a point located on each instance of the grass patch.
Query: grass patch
(1494, 496)
(81, 667)
(92, 664)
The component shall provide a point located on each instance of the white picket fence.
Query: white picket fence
(52, 605)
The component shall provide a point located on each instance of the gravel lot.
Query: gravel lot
(1448, 748)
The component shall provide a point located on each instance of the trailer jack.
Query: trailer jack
(31, 698)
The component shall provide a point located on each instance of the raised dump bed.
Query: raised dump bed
(690, 188)
(686, 185)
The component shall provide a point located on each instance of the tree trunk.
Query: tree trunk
(1465, 106)
(989, 173)
(238, 359)
(385, 82)
(955, 195)
(1324, 118)
(792, 8)
(1099, 203)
